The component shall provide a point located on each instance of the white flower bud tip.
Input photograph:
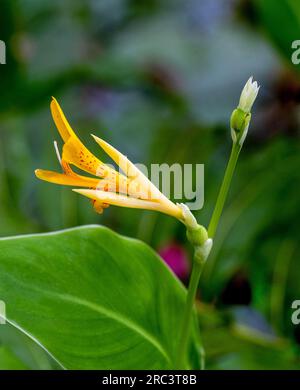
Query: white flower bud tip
(248, 95)
(187, 217)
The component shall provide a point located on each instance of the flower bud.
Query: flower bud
(197, 236)
(248, 95)
(241, 116)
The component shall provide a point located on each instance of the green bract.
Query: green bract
(239, 124)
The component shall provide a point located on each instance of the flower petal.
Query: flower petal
(140, 185)
(70, 180)
(99, 206)
(126, 201)
(74, 152)
(60, 120)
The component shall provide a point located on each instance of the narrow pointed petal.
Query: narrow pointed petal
(69, 180)
(74, 152)
(122, 161)
(141, 186)
(125, 201)
(60, 120)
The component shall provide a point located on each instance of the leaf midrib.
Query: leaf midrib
(116, 317)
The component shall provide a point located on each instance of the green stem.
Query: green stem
(188, 314)
(198, 265)
(236, 148)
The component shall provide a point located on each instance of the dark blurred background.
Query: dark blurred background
(159, 80)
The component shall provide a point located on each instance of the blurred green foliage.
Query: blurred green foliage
(159, 79)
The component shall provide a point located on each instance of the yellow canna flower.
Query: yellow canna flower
(107, 186)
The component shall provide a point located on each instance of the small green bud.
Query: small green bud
(197, 236)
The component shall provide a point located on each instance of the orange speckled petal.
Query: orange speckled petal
(74, 152)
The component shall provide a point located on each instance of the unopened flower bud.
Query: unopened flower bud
(197, 236)
(241, 116)
(248, 95)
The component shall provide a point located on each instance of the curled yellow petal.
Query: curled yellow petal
(60, 121)
(99, 206)
(74, 152)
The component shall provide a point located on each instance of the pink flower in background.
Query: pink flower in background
(176, 258)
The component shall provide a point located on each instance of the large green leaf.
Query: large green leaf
(25, 351)
(92, 299)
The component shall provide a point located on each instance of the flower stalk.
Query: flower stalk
(188, 316)
(239, 124)
(213, 224)
(197, 235)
